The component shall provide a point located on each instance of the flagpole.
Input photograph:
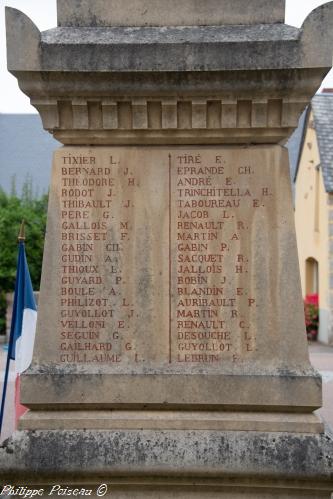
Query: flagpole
(4, 391)
(21, 238)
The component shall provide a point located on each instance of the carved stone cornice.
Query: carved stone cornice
(169, 120)
(172, 84)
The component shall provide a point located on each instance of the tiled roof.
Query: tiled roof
(322, 106)
(294, 146)
(25, 150)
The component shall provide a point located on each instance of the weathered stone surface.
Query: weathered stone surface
(26, 55)
(132, 231)
(170, 49)
(94, 13)
(204, 489)
(171, 420)
(277, 456)
(115, 67)
(161, 261)
(257, 47)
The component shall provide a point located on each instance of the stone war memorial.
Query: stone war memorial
(171, 358)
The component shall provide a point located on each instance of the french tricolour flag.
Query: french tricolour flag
(24, 318)
(23, 329)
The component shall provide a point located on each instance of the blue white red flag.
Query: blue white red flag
(22, 331)
(24, 318)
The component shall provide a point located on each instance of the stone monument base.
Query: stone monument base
(171, 420)
(161, 463)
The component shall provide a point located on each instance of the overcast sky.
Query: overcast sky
(43, 13)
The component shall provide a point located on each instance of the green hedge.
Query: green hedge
(12, 211)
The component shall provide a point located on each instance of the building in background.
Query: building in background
(313, 177)
(25, 152)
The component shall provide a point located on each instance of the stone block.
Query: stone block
(163, 264)
(92, 13)
(205, 464)
(171, 357)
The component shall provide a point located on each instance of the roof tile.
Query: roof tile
(322, 106)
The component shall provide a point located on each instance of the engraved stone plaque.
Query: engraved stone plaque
(168, 273)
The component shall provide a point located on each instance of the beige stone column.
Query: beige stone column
(171, 354)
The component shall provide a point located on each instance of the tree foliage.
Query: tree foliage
(12, 211)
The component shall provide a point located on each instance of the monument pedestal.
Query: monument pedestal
(171, 420)
(196, 401)
(171, 357)
(168, 463)
(174, 284)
